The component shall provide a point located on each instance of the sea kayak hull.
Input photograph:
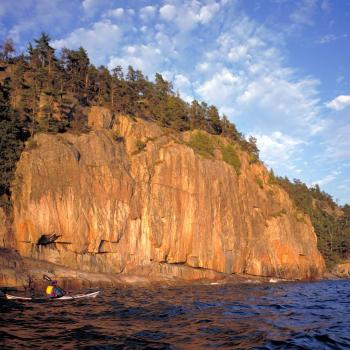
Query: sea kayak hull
(65, 297)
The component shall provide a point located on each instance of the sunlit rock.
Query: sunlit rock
(138, 197)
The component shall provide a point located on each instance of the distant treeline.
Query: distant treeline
(41, 91)
(330, 221)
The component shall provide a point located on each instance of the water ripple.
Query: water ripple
(252, 316)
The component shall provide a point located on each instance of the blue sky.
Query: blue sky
(279, 69)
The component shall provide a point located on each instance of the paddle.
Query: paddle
(47, 278)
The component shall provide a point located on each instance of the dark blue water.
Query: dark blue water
(249, 316)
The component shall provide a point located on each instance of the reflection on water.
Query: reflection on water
(279, 316)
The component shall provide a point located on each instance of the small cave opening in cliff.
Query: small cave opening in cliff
(48, 239)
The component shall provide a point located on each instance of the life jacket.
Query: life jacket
(54, 291)
(49, 290)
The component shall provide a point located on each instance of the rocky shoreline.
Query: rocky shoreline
(25, 275)
(22, 274)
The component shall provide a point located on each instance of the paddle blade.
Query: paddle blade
(47, 278)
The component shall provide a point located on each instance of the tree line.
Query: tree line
(42, 81)
(331, 222)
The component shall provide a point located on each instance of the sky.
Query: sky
(279, 69)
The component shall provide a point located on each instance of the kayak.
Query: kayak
(65, 297)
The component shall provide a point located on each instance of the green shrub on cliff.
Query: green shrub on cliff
(230, 156)
(279, 213)
(259, 182)
(202, 143)
(31, 144)
(253, 158)
(139, 146)
(272, 178)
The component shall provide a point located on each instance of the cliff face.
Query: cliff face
(136, 197)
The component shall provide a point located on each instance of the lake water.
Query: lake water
(249, 316)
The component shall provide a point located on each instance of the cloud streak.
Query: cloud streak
(327, 179)
(339, 103)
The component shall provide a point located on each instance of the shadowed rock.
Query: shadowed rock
(47, 239)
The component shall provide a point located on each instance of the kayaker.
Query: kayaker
(54, 291)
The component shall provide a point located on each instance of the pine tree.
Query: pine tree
(214, 123)
(196, 116)
(17, 83)
(118, 89)
(44, 62)
(104, 82)
(76, 65)
(11, 144)
(229, 129)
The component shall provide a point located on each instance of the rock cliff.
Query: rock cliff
(136, 197)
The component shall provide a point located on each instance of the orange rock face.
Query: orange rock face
(137, 196)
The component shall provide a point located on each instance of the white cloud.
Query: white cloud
(166, 43)
(24, 20)
(181, 81)
(116, 13)
(207, 12)
(91, 6)
(317, 126)
(326, 39)
(183, 85)
(327, 179)
(100, 41)
(338, 145)
(143, 57)
(147, 13)
(220, 87)
(168, 12)
(16, 31)
(263, 88)
(203, 66)
(278, 148)
(186, 15)
(282, 100)
(339, 103)
(304, 13)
